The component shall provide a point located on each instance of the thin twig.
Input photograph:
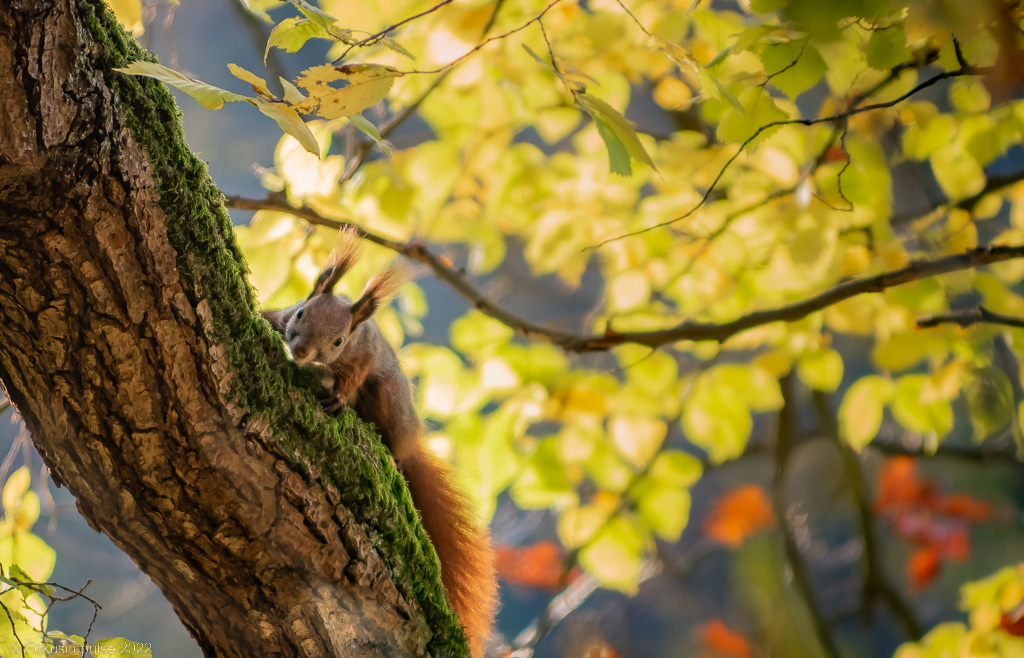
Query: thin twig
(394, 122)
(483, 43)
(967, 317)
(14, 630)
(802, 122)
(374, 38)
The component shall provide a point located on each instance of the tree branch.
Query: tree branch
(875, 581)
(967, 317)
(783, 450)
(689, 330)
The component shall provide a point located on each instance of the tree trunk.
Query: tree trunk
(130, 347)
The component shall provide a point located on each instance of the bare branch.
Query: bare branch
(689, 330)
(967, 317)
(375, 38)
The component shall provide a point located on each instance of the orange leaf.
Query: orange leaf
(898, 485)
(965, 507)
(1013, 622)
(738, 515)
(724, 641)
(923, 566)
(539, 565)
(958, 545)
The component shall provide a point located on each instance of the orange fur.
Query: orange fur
(467, 559)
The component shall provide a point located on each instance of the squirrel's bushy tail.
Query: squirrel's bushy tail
(467, 559)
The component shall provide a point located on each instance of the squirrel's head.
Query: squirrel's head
(320, 328)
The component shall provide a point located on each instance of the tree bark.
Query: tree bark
(130, 346)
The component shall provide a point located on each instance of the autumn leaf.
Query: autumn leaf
(538, 565)
(723, 641)
(738, 515)
(923, 566)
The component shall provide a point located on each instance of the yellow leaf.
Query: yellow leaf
(860, 414)
(576, 526)
(637, 437)
(129, 15)
(210, 97)
(290, 122)
(364, 85)
(628, 290)
(259, 85)
(15, 488)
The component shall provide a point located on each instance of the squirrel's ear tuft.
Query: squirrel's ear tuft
(378, 289)
(341, 260)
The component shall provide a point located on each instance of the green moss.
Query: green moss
(345, 453)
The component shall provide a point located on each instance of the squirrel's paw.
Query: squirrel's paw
(331, 403)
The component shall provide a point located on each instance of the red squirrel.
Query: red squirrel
(340, 340)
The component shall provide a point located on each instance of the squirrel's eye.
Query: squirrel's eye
(340, 340)
(298, 314)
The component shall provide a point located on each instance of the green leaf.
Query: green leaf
(959, 175)
(666, 510)
(989, 396)
(293, 33)
(753, 384)
(367, 128)
(905, 350)
(32, 554)
(394, 46)
(766, 6)
(719, 422)
(259, 8)
(886, 48)
(676, 468)
(290, 122)
(794, 66)
(578, 525)
(860, 414)
(614, 556)
(323, 19)
(821, 370)
(607, 469)
(710, 86)
(618, 156)
(759, 110)
(918, 415)
(617, 124)
(543, 483)
(210, 97)
(476, 334)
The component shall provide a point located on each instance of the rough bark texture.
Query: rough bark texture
(129, 344)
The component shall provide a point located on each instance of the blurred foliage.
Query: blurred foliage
(771, 139)
(26, 596)
(995, 606)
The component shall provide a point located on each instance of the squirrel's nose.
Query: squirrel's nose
(300, 351)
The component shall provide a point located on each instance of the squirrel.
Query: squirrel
(339, 339)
